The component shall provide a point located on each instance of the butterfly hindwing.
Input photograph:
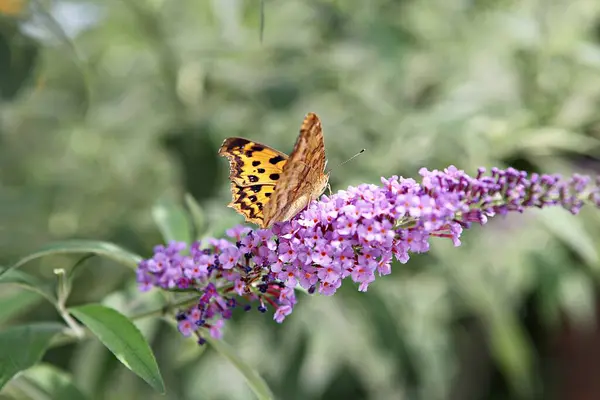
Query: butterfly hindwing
(249, 202)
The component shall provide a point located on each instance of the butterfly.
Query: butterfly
(267, 186)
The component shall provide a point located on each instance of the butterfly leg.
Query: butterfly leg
(329, 188)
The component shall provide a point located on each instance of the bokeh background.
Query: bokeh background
(110, 106)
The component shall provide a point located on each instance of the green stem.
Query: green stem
(167, 308)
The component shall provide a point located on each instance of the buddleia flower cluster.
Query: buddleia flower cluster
(354, 234)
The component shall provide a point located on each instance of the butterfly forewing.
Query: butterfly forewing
(252, 162)
(254, 170)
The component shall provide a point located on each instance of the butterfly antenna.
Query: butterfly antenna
(350, 159)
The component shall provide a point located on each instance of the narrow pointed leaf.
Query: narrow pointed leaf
(255, 381)
(197, 215)
(16, 302)
(28, 282)
(23, 346)
(123, 339)
(544, 141)
(51, 383)
(105, 249)
(172, 221)
(512, 349)
(572, 231)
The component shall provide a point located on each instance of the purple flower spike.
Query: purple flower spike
(353, 234)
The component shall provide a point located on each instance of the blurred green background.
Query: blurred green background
(109, 106)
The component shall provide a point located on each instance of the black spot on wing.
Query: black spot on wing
(256, 188)
(253, 198)
(268, 194)
(257, 148)
(276, 159)
(236, 144)
(251, 210)
(260, 170)
(240, 192)
(253, 178)
(274, 176)
(255, 163)
(249, 154)
(260, 206)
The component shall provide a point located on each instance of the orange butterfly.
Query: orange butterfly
(267, 186)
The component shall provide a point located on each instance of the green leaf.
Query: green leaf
(123, 339)
(29, 282)
(197, 215)
(15, 302)
(256, 383)
(570, 230)
(23, 346)
(19, 278)
(50, 382)
(511, 347)
(172, 221)
(105, 249)
(545, 141)
(77, 268)
(18, 57)
(577, 296)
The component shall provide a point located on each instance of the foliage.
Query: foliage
(111, 114)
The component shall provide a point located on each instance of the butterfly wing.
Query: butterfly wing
(303, 178)
(254, 170)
